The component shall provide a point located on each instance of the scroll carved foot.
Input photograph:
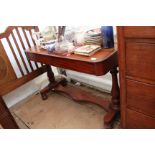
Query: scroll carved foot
(44, 96)
(51, 87)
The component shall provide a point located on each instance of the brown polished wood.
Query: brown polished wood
(105, 61)
(80, 95)
(145, 97)
(8, 78)
(115, 101)
(136, 56)
(6, 119)
(139, 32)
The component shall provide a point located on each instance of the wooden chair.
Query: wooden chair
(17, 38)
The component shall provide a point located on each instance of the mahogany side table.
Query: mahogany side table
(98, 64)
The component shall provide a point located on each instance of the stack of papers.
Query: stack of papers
(87, 50)
(93, 37)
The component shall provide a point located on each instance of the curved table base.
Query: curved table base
(77, 94)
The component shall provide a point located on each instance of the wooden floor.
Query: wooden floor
(59, 112)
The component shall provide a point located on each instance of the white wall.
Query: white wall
(29, 88)
(99, 82)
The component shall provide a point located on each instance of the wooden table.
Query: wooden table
(100, 63)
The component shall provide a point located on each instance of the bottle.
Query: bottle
(107, 35)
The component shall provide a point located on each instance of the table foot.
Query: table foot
(44, 95)
(44, 92)
(109, 118)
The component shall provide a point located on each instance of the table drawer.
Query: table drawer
(139, 31)
(136, 120)
(141, 97)
(140, 60)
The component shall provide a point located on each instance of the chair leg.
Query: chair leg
(6, 119)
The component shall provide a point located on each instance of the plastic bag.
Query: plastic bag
(64, 46)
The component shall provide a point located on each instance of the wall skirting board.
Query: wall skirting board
(102, 83)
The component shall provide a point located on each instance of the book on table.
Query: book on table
(87, 50)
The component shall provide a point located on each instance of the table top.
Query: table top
(99, 56)
(98, 64)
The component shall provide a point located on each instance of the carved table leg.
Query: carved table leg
(52, 83)
(6, 119)
(51, 79)
(115, 100)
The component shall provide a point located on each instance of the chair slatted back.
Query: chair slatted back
(15, 68)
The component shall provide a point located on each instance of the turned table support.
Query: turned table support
(6, 119)
(52, 83)
(50, 74)
(115, 93)
(115, 100)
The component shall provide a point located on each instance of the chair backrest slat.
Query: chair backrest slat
(26, 38)
(28, 43)
(13, 52)
(23, 61)
(22, 43)
(31, 35)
